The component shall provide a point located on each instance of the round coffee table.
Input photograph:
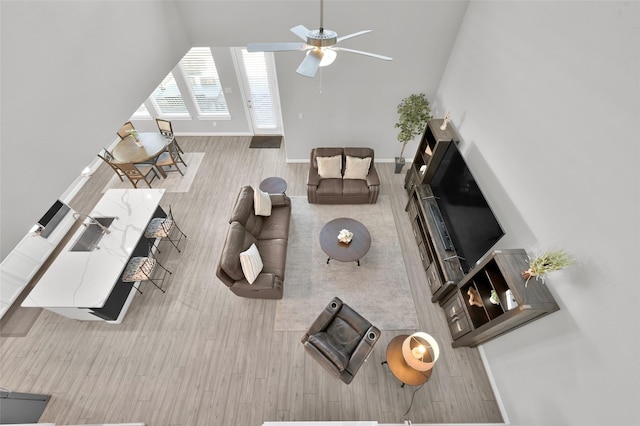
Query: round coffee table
(352, 252)
(273, 185)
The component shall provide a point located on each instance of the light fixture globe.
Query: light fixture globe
(328, 57)
(420, 351)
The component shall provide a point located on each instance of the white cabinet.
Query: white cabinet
(24, 261)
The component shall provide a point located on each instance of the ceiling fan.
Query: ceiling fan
(320, 46)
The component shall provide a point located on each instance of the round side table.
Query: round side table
(273, 185)
(400, 368)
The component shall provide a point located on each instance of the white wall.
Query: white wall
(72, 73)
(103, 58)
(359, 96)
(546, 98)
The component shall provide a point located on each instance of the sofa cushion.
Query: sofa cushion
(261, 203)
(276, 225)
(238, 240)
(356, 168)
(355, 189)
(251, 263)
(274, 256)
(243, 206)
(329, 187)
(330, 167)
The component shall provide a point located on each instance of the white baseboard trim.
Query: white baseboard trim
(492, 381)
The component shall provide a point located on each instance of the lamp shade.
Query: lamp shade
(420, 351)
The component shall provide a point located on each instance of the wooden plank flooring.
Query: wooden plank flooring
(199, 355)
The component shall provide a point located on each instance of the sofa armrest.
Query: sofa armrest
(364, 348)
(372, 178)
(279, 200)
(313, 177)
(313, 180)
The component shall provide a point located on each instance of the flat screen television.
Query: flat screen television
(465, 215)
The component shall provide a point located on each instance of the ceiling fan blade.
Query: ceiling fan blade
(373, 55)
(352, 35)
(275, 47)
(310, 64)
(301, 31)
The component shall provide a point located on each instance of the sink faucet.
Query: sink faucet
(77, 215)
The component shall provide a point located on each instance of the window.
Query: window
(202, 77)
(191, 89)
(141, 113)
(167, 98)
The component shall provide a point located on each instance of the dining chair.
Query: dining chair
(137, 172)
(165, 228)
(166, 129)
(124, 130)
(107, 157)
(143, 268)
(169, 159)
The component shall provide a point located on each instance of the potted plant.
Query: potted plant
(549, 261)
(414, 112)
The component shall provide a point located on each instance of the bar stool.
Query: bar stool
(165, 228)
(141, 268)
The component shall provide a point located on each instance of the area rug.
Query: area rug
(174, 182)
(268, 141)
(378, 289)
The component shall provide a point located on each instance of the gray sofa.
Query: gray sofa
(342, 191)
(269, 233)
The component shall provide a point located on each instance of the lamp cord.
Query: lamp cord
(411, 404)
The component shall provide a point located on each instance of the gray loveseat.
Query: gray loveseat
(269, 233)
(338, 189)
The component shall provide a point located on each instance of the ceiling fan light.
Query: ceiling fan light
(328, 57)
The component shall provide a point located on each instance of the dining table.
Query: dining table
(150, 145)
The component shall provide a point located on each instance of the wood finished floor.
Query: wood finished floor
(199, 355)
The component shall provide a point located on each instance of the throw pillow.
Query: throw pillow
(330, 167)
(357, 168)
(261, 203)
(251, 263)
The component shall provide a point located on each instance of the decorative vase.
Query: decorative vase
(399, 164)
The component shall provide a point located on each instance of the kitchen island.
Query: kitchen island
(84, 283)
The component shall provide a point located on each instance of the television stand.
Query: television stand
(442, 228)
(440, 261)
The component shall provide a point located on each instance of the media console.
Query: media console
(472, 316)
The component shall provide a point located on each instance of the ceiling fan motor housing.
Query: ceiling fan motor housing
(322, 38)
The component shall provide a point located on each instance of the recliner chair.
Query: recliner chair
(340, 339)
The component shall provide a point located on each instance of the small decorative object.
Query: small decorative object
(134, 134)
(549, 261)
(494, 298)
(345, 236)
(474, 297)
(446, 121)
(414, 112)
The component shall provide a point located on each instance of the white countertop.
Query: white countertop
(85, 279)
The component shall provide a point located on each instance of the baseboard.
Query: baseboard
(492, 381)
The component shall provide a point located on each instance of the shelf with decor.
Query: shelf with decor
(516, 302)
(429, 153)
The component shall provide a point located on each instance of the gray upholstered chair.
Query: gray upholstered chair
(340, 339)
